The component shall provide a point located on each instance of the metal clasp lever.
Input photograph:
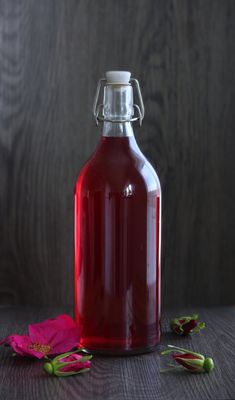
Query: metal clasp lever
(98, 107)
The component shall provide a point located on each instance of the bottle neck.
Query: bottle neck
(118, 106)
(122, 129)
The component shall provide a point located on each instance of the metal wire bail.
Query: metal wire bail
(98, 107)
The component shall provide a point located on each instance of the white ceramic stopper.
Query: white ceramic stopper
(118, 77)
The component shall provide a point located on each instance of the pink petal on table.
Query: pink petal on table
(22, 345)
(44, 332)
(65, 341)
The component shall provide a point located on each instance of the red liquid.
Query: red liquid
(117, 235)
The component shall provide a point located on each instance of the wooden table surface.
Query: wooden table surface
(124, 378)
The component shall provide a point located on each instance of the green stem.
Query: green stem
(172, 366)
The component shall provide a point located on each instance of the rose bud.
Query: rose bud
(186, 325)
(68, 364)
(193, 362)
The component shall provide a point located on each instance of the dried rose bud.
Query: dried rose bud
(193, 362)
(68, 364)
(186, 325)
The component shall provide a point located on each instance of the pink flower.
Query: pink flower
(68, 364)
(53, 336)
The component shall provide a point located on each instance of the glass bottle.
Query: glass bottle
(117, 232)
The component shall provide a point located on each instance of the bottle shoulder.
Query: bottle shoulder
(150, 176)
(116, 167)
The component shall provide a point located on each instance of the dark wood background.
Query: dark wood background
(51, 56)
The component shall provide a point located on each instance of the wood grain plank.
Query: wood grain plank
(124, 378)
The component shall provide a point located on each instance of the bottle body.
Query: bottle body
(117, 250)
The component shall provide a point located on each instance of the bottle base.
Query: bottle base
(121, 352)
